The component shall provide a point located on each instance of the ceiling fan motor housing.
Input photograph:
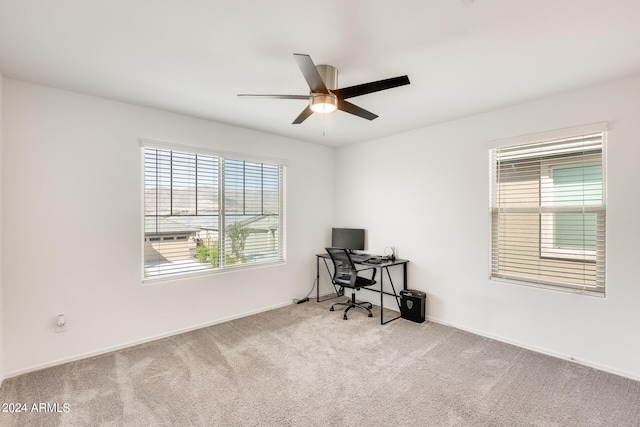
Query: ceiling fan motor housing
(329, 76)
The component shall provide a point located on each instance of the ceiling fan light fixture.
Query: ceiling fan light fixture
(323, 103)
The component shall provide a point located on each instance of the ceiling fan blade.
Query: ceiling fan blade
(310, 73)
(249, 95)
(303, 116)
(363, 89)
(355, 110)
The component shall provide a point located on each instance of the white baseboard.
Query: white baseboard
(137, 342)
(548, 352)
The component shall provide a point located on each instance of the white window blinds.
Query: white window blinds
(205, 212)
(548, 213)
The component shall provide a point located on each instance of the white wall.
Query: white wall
(1, 269)
(431, 200)
(72, 226)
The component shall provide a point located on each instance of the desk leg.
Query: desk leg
(394, 294)
(405, 276)
(318, 279)
(338, 294)
(380, 270)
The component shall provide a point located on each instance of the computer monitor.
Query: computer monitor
(348, 238)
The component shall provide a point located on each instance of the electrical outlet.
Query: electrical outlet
(60, 323)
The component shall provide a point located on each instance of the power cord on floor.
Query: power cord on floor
(306, 298)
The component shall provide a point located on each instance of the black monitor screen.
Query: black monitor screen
(348, 238)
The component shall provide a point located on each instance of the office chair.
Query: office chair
(346, 275)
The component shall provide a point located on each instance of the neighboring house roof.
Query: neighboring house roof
(253, 219)
(161, 225)
(193, 224)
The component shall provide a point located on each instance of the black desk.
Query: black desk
(382, 268)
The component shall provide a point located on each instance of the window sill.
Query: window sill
(572, 289)
(212, 272)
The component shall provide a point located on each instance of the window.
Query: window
(205, 212)
(548, 213)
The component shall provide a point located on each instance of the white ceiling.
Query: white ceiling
(194, 56)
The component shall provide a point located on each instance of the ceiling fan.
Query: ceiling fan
(324, 95)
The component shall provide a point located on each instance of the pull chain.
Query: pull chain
(323, 125)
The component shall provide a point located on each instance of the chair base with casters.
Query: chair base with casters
(366, 306)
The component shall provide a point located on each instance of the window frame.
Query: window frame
(519, 148)
(222, 157)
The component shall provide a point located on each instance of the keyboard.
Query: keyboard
(368, 258)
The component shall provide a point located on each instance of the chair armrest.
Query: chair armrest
(365, 269)
(373, 276)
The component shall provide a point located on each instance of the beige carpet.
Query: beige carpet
(302, 365)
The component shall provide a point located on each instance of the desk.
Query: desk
(382, 268)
